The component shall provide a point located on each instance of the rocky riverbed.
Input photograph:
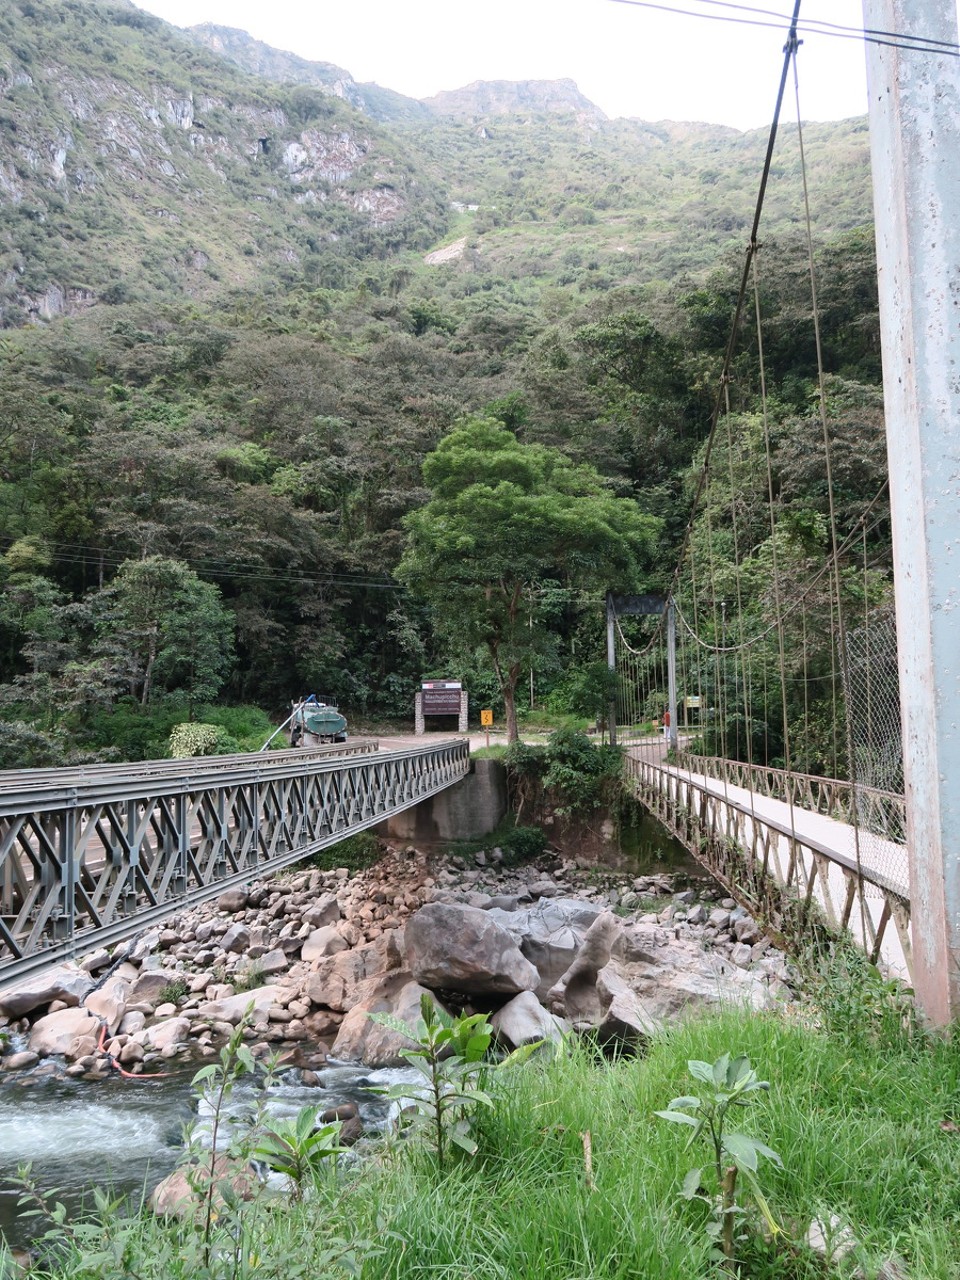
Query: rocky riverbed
(542, 947)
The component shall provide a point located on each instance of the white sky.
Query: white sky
(630, 61)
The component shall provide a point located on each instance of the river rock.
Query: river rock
(21, 1061)
(67, 982)
(237, 938)
(325, 941)
(362, 1040)
(450, 947)
(326, 910)
(168, 1034)
(549, 934)
(96, 960)
(625, 1019)
(58, 1033)
(232, 901)
(149, 984)
(109, 1003)
(181, 1193)
(685, 978)
(524, 1019)
(575, 994)
(274, 962)
(335, 981)
(232, 1008)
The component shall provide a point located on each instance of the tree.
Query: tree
(504, 519)
(168, 627)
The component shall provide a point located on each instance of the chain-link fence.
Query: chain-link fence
(872, 694)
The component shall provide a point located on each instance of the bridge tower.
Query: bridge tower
(914, 100)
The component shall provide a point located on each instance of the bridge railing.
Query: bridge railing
(882, 813)
(88, 857)
(794, 882)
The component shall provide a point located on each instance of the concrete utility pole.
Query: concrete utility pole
(915, 142)
(612, 665)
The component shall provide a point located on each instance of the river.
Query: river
(128, 1134)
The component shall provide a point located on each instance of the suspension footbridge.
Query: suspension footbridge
(802, 659)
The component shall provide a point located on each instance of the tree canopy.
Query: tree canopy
(505, 521)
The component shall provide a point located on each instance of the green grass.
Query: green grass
(859, 1129)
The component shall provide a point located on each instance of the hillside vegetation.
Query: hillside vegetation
(240, 313)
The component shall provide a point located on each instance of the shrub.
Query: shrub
(523, 844)
(192, 739)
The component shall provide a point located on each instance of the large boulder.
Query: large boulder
(325, 910)
(67, 982)
(685, 979)
(148, 986)
(334, 982)
(360, 1039)
(549, 934)
(181, 1193)
(322, 942)
(232, 1008)
(451, 947)
(109, 1002)
(626, 1020)
(168, 1035)
(524, 1019)
(57, 1033)
(575, 994)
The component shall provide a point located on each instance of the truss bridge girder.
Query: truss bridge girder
(89, 857)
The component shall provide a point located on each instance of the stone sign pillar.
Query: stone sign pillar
(441, 698)
(419, 727)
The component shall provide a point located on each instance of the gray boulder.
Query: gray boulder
(326, 910)
(67, 982)
(524, 1019)
(232, 901)
(325, 941)
(360, 1039)
(462, 949)
(549, 934)
(625, 1019)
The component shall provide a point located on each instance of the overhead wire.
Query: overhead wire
(810, 26)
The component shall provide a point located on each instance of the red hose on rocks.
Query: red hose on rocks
(129, 1075)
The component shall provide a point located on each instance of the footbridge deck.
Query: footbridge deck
(91, 855)
(783, 843)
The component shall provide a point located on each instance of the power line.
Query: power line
(809, 26)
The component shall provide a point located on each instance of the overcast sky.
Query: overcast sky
(628, 59)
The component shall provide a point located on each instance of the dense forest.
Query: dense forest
(239, 314)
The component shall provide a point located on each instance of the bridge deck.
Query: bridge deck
(878, 857)
(777, 854)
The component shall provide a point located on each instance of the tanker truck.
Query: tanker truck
(314, 722)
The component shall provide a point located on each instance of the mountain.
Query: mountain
(514, 97)
(138, 162)
(134, 163)
(282, 67)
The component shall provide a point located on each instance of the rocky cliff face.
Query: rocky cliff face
(132, 162)
(283, 67)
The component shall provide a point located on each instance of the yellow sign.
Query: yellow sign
(486, 718)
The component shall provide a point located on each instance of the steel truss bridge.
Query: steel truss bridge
(90, 856)
(799, 852)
